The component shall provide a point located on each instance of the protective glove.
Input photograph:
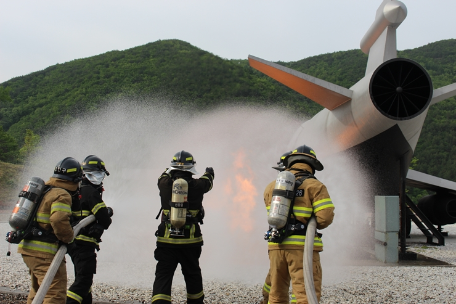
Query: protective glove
(210, 171)
(96, 231)
(110, 211)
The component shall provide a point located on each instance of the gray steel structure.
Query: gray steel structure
(380, 118)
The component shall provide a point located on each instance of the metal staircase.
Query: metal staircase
(424, 224)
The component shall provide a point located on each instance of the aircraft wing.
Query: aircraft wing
(443, 93)
(429, 182)
(324, 93)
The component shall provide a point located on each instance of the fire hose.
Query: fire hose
(308, 262)
(50, 274)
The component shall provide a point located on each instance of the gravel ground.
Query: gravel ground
(374, 283)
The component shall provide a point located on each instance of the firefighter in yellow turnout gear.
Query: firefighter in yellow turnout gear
(286, 257)
(269, 188)
(53, 216)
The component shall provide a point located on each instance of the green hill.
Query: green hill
(191, 76)
(9, 175)
(172, 68)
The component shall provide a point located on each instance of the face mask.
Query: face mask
(95, 177)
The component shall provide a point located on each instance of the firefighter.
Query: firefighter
(83, 253)
(180, 244)
(53, 216)
(286, 257)
(267, 282)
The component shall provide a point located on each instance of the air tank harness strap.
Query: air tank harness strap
(28, 195)
(39, 234)
(298, 228)
(284, 193)
(179, 205)
(189, 218)
(294, 226)
(161, 208)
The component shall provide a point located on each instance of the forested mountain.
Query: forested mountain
(189, 75)
(170, 67)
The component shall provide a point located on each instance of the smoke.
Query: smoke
(137, 140)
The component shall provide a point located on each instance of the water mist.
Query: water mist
(137, 142)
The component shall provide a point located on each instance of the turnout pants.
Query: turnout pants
(85, 265)
(37, 269)
(286, 265)
(267, 288)
(168, 258)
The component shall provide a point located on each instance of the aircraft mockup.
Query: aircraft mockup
(379, 119)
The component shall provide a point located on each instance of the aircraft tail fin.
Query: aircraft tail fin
(324, 93)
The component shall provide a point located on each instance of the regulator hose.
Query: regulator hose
(50, 274)
(308, 261)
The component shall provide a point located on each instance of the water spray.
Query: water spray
(242, 159)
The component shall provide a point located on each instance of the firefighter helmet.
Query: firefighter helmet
(183, 161)
(68, 169)
(94, 169)
(280, 165)
(94, 163)
(303, 154)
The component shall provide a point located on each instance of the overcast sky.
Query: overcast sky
(38, 34)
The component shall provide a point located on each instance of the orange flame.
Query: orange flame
(244, 193)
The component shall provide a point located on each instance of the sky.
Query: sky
(37, 34)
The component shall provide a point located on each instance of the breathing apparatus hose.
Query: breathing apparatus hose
(308, 262)
(50, 274)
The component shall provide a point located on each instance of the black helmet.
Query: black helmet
(183, 161)
(280, 165)
(303, 154)
(182, 158)
(68, 169)
(94, 163)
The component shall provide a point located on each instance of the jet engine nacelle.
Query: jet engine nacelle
(400, 89)
(440, 209)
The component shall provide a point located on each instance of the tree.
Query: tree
(415, 194)
(5, 95)
(31, 142)
(8, 147)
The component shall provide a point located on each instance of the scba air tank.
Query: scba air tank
(281, 199)
(179, 203)
(25, 206)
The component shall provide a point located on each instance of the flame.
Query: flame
(243, 193)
